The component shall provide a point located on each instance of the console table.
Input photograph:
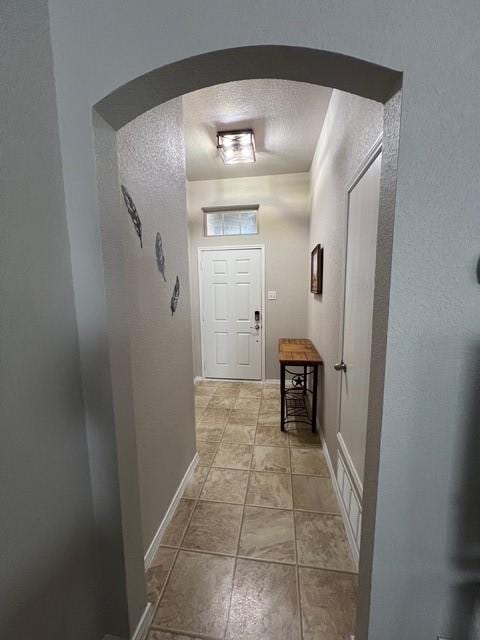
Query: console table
(298, 352)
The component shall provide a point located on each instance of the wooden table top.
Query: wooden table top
(298, 351)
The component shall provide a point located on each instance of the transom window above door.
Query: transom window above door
(230, 221)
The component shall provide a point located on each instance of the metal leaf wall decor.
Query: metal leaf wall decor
(132, 211)
(175, 296)
(160, 255)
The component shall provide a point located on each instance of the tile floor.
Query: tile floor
(256, 549)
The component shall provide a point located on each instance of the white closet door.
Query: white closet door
(361, 252)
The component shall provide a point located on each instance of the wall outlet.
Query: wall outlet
(272, 295)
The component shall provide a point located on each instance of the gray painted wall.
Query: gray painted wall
(351, 127)
(123, 440)
(283, 229)
(152, 167)
(432, 351)
(49, 586)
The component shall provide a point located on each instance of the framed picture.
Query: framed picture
(316, 270)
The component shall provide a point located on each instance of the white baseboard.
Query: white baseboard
(157, 538)
(288, 382)
(200, 378)
(265, 380)
(144, 624)
(346, 521)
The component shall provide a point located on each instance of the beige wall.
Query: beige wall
(283, 229)
(350, 129)
(151, 165)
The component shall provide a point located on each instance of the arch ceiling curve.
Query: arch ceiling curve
(302, 64)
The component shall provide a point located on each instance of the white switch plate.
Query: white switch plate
(272, 295)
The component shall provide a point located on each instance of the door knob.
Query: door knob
(340, 366)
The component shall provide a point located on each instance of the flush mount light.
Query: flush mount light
(236, 146)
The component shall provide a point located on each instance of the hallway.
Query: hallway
(256, 548)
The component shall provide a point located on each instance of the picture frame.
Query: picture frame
(316, 270)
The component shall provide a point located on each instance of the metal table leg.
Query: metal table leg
(314, 399)
(282, 397)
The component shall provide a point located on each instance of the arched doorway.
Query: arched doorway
(292, 63)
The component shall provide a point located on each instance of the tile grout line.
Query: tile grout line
(243, 507)
(220, 554)
(297, 571)
(245, 444)
(216, 450)
(187, 634)
(227, 619)
(241, 528)
(162, 590)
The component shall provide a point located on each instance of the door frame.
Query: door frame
(365, 164)
(200, 252)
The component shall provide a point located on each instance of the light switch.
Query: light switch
(272, 295)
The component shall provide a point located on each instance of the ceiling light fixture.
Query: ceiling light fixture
(236, 146)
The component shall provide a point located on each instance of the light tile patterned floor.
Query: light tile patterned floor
(256, 549)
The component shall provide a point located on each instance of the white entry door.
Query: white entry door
(231, 313)
(362, 222)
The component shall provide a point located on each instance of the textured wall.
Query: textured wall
(283, 229)
(48, 585)
(431, 373)
(350, 129)
(151, 165)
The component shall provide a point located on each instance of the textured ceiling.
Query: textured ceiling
(286, 117)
